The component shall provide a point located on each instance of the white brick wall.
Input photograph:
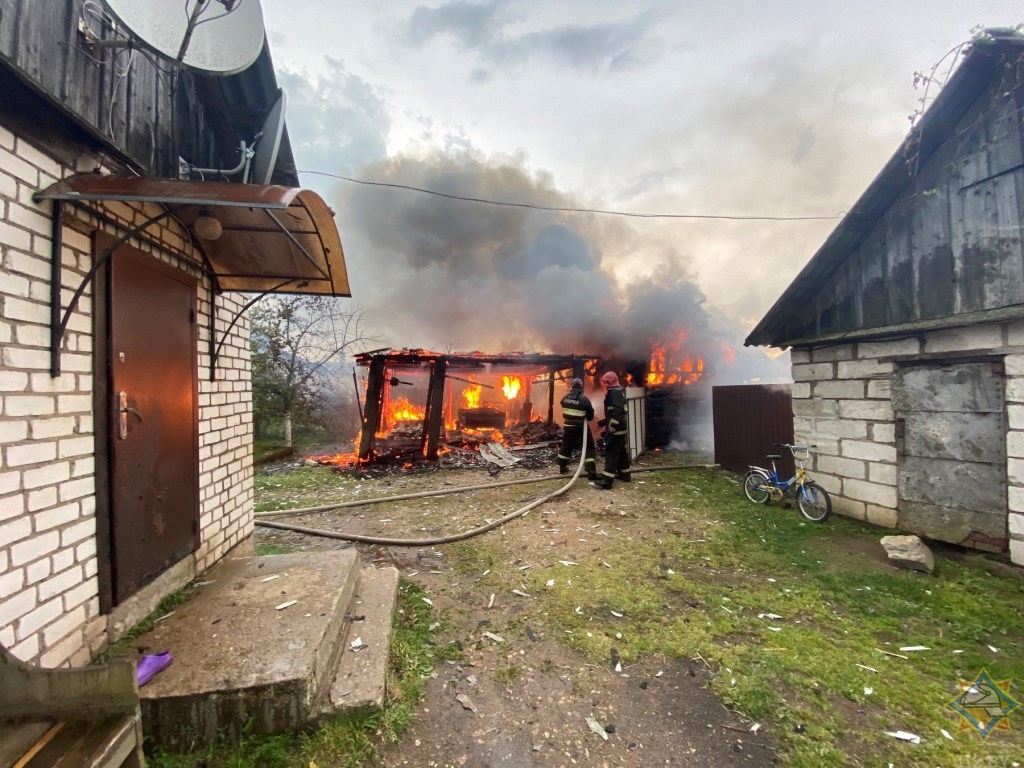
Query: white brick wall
(842, 403)
(49, 559)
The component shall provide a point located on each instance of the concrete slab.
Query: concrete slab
(362, 675)
(244, 650)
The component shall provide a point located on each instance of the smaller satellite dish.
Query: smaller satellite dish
(261, 169)
(220, 37)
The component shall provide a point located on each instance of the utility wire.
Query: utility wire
(561, 209)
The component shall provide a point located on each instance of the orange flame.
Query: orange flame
(471, 394)
(402, 410)
(511, 385)
(670, 365)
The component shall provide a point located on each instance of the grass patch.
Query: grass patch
(124, 647)
(264, 548)
(348, 741)
(683, 596)
(277, 489)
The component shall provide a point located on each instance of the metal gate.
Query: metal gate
(748, 420)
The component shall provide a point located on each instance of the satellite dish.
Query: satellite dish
(220, 37)
(269, 141)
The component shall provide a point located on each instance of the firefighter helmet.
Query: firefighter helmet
(577, 383)
(610, 379)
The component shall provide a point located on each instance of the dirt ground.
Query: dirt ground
(524, 700)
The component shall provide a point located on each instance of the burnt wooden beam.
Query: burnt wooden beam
(372, 408)
(434, 419)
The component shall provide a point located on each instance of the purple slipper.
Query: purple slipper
(148, 666)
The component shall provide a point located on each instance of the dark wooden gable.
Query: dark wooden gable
(131, 105)
(936, 239)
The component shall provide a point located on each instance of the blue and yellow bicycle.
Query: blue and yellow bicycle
(760, 485)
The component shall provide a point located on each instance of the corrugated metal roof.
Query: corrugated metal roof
(935, 127)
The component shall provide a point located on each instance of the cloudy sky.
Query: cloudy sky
(729, 108)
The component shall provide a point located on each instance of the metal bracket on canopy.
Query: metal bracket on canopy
(58, 323)
(215, 346)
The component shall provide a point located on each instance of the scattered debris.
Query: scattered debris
(466, 702)
(520, 593)
(494, 637)
(490, 603)
(772, 616)
(568, 562)
(597, 728)
(913, 738)
(616, 614)
(428, 601)
(993, 649)
(288, 604)
(909, 552)
(270, 578)
(868, 691)
(890, 653)
(909, 648)
(869, 669)
(945, 733)
(357, 644)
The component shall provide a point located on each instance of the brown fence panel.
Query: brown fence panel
(749, 419)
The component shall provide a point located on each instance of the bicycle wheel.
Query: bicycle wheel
(814, 502)
(757, 486)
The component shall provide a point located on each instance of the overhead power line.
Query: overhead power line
(565, 209)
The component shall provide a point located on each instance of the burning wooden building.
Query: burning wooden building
(417, 401)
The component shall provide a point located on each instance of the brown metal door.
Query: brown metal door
(153, 419)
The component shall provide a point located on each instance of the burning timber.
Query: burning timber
(420, 403)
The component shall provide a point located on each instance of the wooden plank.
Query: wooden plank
(18, 739)
(9, 26)
(989, 251)
(874, 306)
(901, 290)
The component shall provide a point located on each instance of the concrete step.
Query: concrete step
(360, 680)
(243, 650)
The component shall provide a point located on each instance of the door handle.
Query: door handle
(123, 409)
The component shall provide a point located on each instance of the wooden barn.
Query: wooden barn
(907, 326)
(125, 396)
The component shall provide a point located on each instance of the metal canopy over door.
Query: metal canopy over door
(152, 411)
(951, 442)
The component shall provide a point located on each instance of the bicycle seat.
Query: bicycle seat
(773, 456)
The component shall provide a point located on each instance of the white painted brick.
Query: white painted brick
(16, 530)
(12, 506)
(29, 359)
(62, 558)
(1015, 471)
(60, 583)
(38, 571)
(839, 390)
(884, 474)
(13, 381)
(28, 405)
(15, 431)
(31, 549)
(18, 168)
(883, 433)
(40, 498)
(1014, 365)
(76, 533)
(40, 160)
(978, 337)
(10, 583)
(83, 467)
(1016, 523)
(1017, 552)
(869, 451)
(870, 410)
(55, 517)
(872, 493)
(79, 595)
(813, 372)
(75, 447)
(20, 262)
(829, 354)
(1015, 444)
(880, 389)
(48, 474)
(895, 348)
(842, 467)
(864, 369)
(31, 453)
(1015, 499)
(62, 653)
(85, 551)
(77, 489)
(38, 618)
(26, 650)
(840, 428)
(848, 508)
(7, 638)
(1014, 389)
(882, 516)
(42, 429)
(74, 403)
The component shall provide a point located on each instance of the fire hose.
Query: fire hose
(423, 494)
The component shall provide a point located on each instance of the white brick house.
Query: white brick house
(907, 326)
(112, 495)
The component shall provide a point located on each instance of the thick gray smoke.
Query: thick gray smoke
(445, 274)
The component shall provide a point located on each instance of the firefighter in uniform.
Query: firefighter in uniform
(577, 410)
(616, 426)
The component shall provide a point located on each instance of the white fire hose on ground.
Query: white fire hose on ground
(441, 539)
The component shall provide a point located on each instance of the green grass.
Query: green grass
(701, 599)
(300, 487)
